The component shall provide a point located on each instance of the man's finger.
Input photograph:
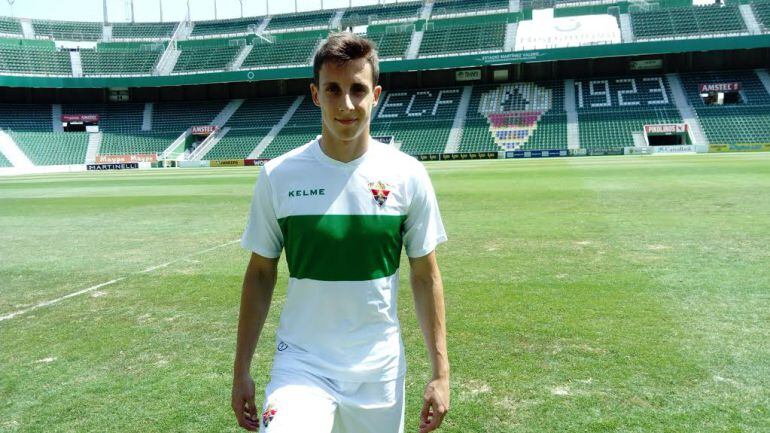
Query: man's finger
(425, 412)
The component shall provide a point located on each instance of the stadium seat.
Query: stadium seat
(303, 126)
(25, 117)
(120, 61)
(445, 8)
(747, 122)
(4, 162)
(389, 13)
(143, 31)
(687, 21)
(302, 20)
(134, 143)
(52, 148)
(280, 53)
(536, 113)
(392, 44)
(249, 125)
(761, 10)
(611, 110)
(114, 117)
(34, 60)
(419, 119)
(206, 59)
(488, 37)
(68, 30)
(239, 26)
(10, 26)
(176, 117)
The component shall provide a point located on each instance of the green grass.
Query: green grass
(608, 294)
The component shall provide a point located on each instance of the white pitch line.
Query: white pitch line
(92, 288)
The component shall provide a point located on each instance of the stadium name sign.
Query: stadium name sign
(719, 87)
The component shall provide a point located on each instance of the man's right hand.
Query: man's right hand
(243, 403)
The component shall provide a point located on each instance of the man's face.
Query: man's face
(346, 95)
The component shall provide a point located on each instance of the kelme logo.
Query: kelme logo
(307, 192)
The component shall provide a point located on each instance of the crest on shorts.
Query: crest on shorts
(380, 192)
(268, 415)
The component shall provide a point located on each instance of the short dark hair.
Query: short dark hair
(344, 47)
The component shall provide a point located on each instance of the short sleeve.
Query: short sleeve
(423, 228)
(263, 234)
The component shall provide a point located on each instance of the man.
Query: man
(342, 206)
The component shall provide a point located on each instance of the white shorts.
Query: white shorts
(300, 402)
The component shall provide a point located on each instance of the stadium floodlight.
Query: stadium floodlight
(241, 2)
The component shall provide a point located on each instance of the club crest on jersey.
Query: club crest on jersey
(268, 416)
(380, 192)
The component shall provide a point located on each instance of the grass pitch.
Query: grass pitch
(583, 295)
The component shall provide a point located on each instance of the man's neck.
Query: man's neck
(344, 151)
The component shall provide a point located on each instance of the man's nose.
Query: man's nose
(347, 102)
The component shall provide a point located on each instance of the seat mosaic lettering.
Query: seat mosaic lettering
(307, 192)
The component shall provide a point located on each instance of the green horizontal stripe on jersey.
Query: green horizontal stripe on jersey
(342, 247)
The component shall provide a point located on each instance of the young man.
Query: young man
(342, 206)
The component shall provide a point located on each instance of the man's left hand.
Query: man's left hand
(436, 405)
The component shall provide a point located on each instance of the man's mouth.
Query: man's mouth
(346, 121)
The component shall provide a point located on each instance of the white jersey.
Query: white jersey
(343, 226)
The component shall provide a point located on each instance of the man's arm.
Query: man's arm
(429, 305)
(258, 285)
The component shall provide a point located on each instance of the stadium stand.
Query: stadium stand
(393, 43)
(612, 110)
(358, 16)
(206, 59)
(744, 122)
(10, 26)
(133, 143)
(687, 22)
(68, 30)
(444, 8)
(105, 61)
(34, 60)
(762, 13)
(52, 148)
(515, 116)
(251, 123)
(303, 126)
(237, 26)
(176, 117)
(116, 117)
(280, 53)
(25, 117)
(468, 38)
(4, 162)
(135, 31)
(121, 125)
(302, 20)
(237, 144)
(419, 119)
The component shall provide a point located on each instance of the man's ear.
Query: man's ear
(314, 94)
(377, 92)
